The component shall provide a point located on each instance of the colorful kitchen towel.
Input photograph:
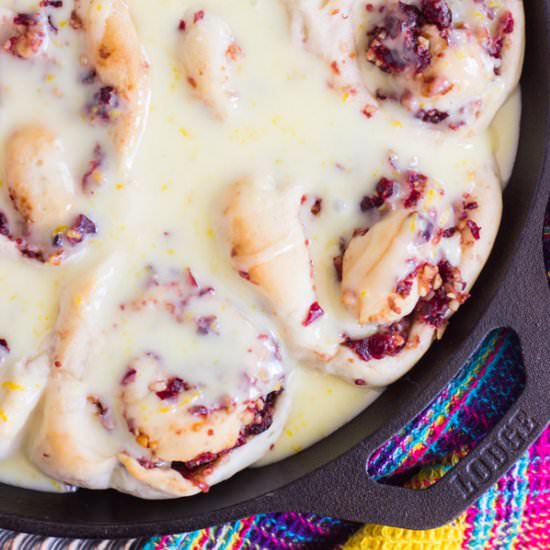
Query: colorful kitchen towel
(513, 515)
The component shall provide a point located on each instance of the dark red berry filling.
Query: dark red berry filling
(505, 26)
(417, 185)
(80, 229)
(174, 386)
(435, 308)
(385, 188)
(91, 177)
(475, 230)
(389, 341)
(403, 42)
(197, 469)
(129, 377)
(103, 412)
(206, 325)
(432, 116)
(30, 35)
(396, 45)
(411, 182)
(4, 225)
(315, 312)
(438, 13)
(104, 102)
(317, 207)
(199, 410)
(75, 234)
(4, 346)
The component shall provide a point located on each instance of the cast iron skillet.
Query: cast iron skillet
(330, 478)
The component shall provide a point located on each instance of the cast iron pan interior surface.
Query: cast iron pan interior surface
(330, 478)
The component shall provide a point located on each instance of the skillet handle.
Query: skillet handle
(470, 478)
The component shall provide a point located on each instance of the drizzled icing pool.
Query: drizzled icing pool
(225, 229)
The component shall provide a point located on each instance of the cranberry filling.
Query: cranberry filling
(315, 312)
(199, 15)
(195, 470)
(401, 43)
(4, 225)
(404, 286)
(435, 308)
(417, 185)
(475, 230)
(75, 21)
(81, 228)
(30, 36)
(206, 325)
(89, 77)
(385, 188)
(449, 232)
(317, 207)
(4, 350)
(103, 103)
(92, 175)
(397, 44)
(26, 19)
(192, 465)
(103, 412)
(191, 278)
(174, 386)
(263, 418)
(4, 346)
(244, 275)
(31, 252)
(438, 13)
(129, 377)
(173, 296)
(432, 116)
(505, 26)
(26, 249)
(84, 225)
(52, 25)
(338, 262)
(198, 410)
(461, 213)
(388, 342)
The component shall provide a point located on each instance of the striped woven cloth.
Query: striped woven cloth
(513, 514)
